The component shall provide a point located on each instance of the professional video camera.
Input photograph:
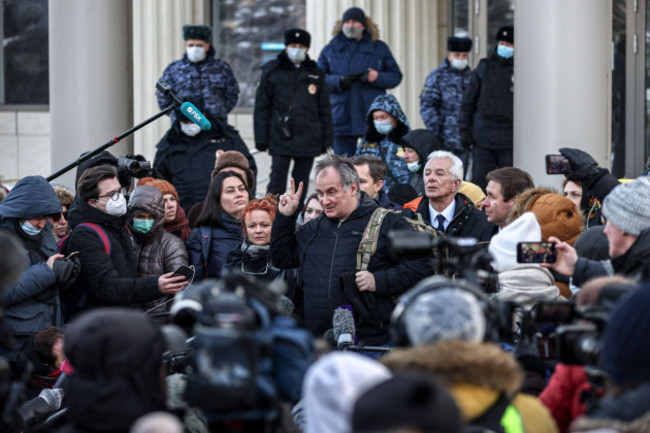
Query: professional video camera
(245, 355)
(134, 166)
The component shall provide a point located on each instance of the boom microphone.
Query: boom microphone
(191, 112)
(343, 328)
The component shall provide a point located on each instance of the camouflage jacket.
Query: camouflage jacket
(211, 80)
(440, 103)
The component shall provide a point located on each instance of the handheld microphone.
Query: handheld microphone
(343, 328)
(191, 112)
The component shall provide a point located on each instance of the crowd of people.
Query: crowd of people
(450, 334)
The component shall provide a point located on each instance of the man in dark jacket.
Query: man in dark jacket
(32, 303)
(358, 68)
(293, 116)
(325, 249)
(447, 210)
(198, 73)
(108, 265)
(372, 173)
(486, 111)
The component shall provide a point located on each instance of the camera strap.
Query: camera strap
(370, 238)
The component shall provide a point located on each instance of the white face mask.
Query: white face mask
(195, 54)
(352, 32)
(190, 129)
(116, 207)
(296, 55)
(459, 64)
(413, 166)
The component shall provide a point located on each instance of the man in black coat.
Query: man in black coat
(108, 267)
(293, 116)
(325, 249)
(445, 209)
(486, 111)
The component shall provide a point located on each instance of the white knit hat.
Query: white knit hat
(628, 206)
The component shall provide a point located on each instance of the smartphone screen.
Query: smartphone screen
(557, 164)
(536, 252)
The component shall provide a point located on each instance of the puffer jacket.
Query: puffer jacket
(32, 303)
(440, 103)
(342, 56)
(476, 375)
(299, 94)
(387, 147)
(326, 249)
(211, 79)
(218, 241)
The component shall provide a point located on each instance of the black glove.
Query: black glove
(66, 270)
(465, 139)
(348, 80)
(582, 164)
(261, 146)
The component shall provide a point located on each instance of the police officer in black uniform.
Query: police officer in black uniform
(293, 117)
(486, 111)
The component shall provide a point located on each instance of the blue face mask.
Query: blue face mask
(29, 229)
(383, 127)
(505, 51)
(143, 225)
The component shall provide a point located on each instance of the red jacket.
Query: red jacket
(562, 394)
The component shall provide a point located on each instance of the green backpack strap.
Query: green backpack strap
(368, 244)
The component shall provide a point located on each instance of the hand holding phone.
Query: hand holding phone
(557, 164)
(185, 271)
(536, 252)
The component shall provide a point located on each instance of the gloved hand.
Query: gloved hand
(348, 80)
(261, 146)
(53, 398)
(582, 164)
(66, 270)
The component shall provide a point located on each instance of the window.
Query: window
(250, 33)
(25, 58)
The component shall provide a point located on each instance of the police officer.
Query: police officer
(486, 110)
(443, 92)
(293, 117)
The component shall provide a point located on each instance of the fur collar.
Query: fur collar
(586, 424)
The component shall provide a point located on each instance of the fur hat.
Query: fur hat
(459, 45)
(66, 197)
(201, 32)
(164, 186)
(625, 354)
(297, 36)
(628, 206)
(410, 400)
(233, 158)
(506, 33)
(355, 13)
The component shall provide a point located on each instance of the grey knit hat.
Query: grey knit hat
(628, 206)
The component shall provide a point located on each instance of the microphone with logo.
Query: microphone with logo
(187, 108)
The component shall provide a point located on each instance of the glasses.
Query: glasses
(57, 217)
(114, 195)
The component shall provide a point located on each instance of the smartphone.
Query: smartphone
(536, 252)
(184, 271)
(557, 164)
(72, 254)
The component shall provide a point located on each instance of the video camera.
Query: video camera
(245, 356)
(134, 166)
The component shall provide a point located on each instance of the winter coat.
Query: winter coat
(342, 56)
(218, 241)
(187, 162)
(487, 106)
(527, 285)
(440, 103)
(634, 264)
(210, 79)
(105, 280)
(562, 394)
(468, 222)
(326, 249)
(625, 413)
(387, 147)
(423, 143)
(476, 375)
(299, 94)
(32, 303)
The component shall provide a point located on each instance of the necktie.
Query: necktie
(440, 219)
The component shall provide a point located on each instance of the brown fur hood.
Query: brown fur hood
(556, 214)
(459, 362)
(586, 424)
(371, 28)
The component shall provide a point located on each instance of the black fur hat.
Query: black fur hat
(201, 32)
(507, 34)
(460, 45)
(297, 36)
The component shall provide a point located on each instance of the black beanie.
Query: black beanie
(297, 36)
(357, 14)
(201, 32)
(507, 34)
(402, 193)
(459, 45)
